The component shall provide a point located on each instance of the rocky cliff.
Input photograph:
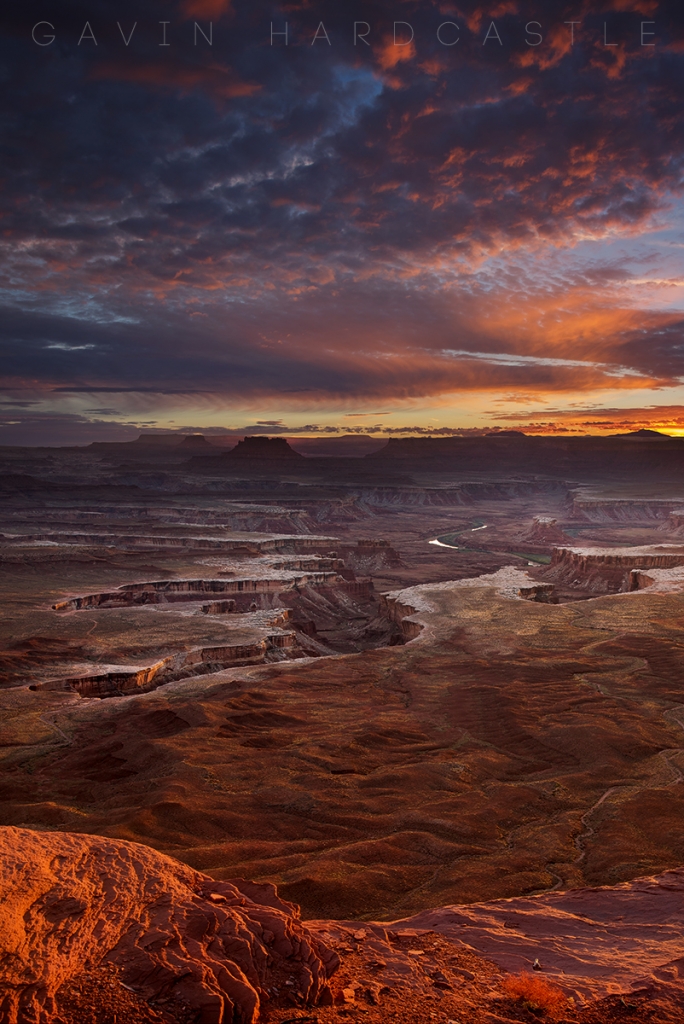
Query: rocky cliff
(545, 530)
(583, 560)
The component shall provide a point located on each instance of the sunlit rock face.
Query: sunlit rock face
(69, 901)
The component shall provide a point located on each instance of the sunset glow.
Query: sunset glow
(387, 237)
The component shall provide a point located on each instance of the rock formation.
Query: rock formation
(583, 559)
(602, 570)
(71, 902)
(475, 742)
(197, 442)
(675, 522)
(593, 941)
(615, 942)
(181, 946)
(589, 457)
(546, 530)
(275, 448)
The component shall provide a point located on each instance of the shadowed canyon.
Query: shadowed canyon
(432, 693)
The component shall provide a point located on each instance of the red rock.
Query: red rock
(346, 995)
(70, 902)
(326, 997)
(592, 942)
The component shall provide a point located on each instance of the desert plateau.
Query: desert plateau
(333, 736)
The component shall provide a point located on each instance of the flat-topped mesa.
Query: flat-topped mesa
(608, 570)
(623, 510)
(122, 680)
(648, 557)
(175, 591)
(271, 448)
(584, 458)
(240, 546)
(131, 541)
(196, 442)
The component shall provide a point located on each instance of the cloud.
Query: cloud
(308, 225)
(665, 417)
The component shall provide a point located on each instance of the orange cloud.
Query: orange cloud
(391, 54)
(557, 42)
(205, 8)
(217, 80)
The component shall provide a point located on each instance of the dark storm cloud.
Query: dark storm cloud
(271, 220)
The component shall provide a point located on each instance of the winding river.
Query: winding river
(443, 543)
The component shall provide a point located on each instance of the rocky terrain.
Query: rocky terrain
(388, 686)
(213, 950)
(98, 930)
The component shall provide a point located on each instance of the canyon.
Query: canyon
(390, 685)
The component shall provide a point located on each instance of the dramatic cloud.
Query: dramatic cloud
(198, 219)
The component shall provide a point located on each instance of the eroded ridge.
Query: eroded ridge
(316, 602)
(170, 591)
(598, 570)
(121, 680)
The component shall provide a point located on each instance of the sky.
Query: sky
(466, 218)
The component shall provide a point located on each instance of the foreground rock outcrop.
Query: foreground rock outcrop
(77, 912)
(69, 903)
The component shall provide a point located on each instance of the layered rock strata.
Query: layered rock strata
(609, 569)
(584, 559)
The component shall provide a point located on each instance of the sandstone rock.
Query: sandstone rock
(439, 980)
(583, 560)
(70, 902)
(540, 592)
(592, 942)
(546, 530)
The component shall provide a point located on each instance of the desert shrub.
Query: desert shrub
(536, 994)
